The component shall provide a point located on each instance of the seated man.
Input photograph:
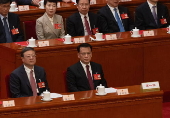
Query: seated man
(9, 24)
(117, 17)
(85, 75)
(28, 79)
(151, 15)
(84, 22)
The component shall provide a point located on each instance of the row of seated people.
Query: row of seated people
(30, 80)
(110, 18)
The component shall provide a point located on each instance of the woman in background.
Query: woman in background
(50, 25)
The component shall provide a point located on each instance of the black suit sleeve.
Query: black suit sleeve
(139, 20)
(71, 82)
(103, 80)
(70, 27)
(20, 36)
(15, 86)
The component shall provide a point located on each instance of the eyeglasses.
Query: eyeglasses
(82, 4)
(88, 53)
(30, 56)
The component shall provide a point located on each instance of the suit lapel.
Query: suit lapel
(110, 14)
(159, 13)
(48, 23)
(149, 13)
(79, 22)
(24, 75)
(82, 73)
(92, 21)
(55, 19)
(3, 30)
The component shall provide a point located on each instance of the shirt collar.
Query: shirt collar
(84, 15)
(51, 19)
(3, 16)
(84, 65)
(27, 69)
(112, 7)
(151, 5)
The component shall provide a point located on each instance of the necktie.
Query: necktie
(8, 34)
(119, 21)
(87, 26)
(89, 78)
(154, 13)
(33, 84)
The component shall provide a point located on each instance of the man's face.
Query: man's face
(113, 3)
(83, 6)
(29, 58)
(50, 8)
(4, 9)
(85, 55)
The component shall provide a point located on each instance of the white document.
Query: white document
(54, 95)
(110, 90)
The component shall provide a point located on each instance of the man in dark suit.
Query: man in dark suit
(28, 79)
(117, 17)
(85, 75)
(84, 22)
(151, 15)
(9, 24)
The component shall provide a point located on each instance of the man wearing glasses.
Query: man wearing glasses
(28, 79)
(85, 75)
(83, 22)
(9, 24)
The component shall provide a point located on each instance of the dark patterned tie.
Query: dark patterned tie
(7, 33)
(87, 26)
(154, 14)
(89, 78)
(119, 21)
(33, 84)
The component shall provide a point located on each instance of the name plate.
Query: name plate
(9, 103)
(148, 33)
(79, 40)
(68, 97)
(111, 37)
(150, 86)
(43, 43)
(122, 91)
(23, 8)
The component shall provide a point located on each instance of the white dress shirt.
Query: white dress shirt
(27, 70)
(6, 20)
(151, 5)
(84, 67)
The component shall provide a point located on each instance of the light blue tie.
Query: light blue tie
(8, 34)
(119, 21)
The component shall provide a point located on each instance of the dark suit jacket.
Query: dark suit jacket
(20, 85)
(109, 18)
(77, 79)
(145, 20)
(75, 25)
(13, 20)
(23, 2)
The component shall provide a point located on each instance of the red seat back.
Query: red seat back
(9, 95)
(29, 29)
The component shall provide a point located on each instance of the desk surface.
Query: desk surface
(87, 104)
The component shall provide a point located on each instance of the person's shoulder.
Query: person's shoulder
(41, 18)
(74, 15)
(142, 5)
(13, 15)
(122, 7)
(38, 67)
(160, 4)
(18, 70)
(103, 8)
(94, 63)
(74, 65)
(58, 16)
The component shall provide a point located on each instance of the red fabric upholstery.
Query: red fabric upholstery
(29, 29)
(65, 82)
(7, 86)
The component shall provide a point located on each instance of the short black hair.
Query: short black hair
(77, 1)
(5, 1)
(25, 50)
(84, 45)
(45, 1)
